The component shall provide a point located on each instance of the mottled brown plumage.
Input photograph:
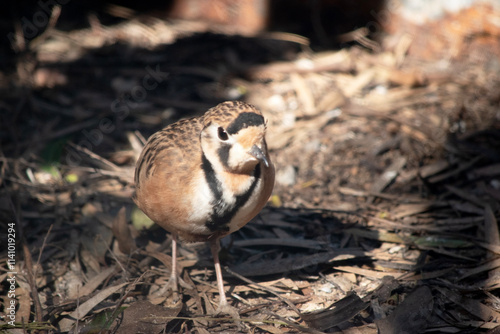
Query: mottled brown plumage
(205, 177)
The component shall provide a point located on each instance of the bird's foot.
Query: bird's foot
(173, 287)
(225, 308)
(169, 293)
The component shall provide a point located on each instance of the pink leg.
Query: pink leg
(173, 282)
(215, 247)
(224, 307)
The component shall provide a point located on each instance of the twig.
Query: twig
(288, 37)
(114, 256)
(20, 43)
(54, 17)
(102, 162)
(209, 318)
(292, 324)
(77, 306)
(263, 288)
(42, 248)
(491, 235)
(120, 302)
(360, 36)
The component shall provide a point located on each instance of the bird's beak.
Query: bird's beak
(257, 153)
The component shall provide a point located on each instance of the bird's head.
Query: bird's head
(233, 137)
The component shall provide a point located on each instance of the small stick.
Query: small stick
(246, 280)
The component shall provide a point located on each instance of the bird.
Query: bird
(205, 177)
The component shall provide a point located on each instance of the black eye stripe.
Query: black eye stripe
(244, 120)
(223, 153)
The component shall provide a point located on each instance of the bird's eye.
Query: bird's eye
(222, 134)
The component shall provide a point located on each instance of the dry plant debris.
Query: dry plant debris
(384, 216)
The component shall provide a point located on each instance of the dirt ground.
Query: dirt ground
(384, 216)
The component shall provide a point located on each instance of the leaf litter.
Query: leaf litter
(388, 213)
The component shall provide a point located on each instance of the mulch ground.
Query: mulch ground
(384, 216)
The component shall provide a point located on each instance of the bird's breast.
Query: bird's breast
(223, 203)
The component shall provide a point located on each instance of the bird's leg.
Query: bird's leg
(224, 307)
(173, 281)
(215, 247)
